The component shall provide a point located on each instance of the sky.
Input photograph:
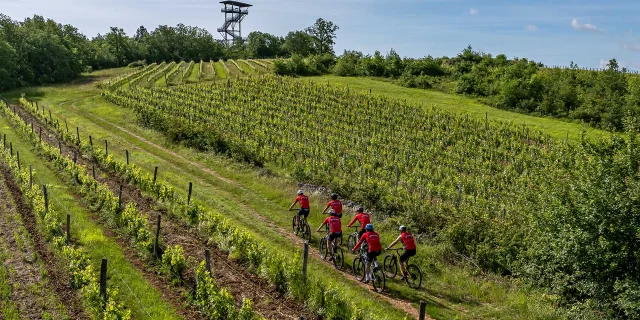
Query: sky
(587, 32)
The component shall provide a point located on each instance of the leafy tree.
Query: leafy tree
(324, 35)
(298, 42)
(261, 44)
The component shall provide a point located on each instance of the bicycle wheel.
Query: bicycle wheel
(338, 258)
(306, 232)
(358, 269)
(323, 248)
(352, 240)
(414, 276)
(294, 226)
(390, 266)
(379, 280)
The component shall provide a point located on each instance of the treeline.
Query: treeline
(600, 98)
(40, 51)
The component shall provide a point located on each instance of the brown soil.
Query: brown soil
(229, 274)
(28, 272)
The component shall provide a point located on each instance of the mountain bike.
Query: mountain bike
(359, 267)
(337, 256)
(353, 237)
(413, 276)
(300, 226)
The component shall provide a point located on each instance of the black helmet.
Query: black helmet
(334, 196)
(360, 209)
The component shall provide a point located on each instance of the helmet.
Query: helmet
(332, 213)
(334, 196)
(403, 228)
(369, 227)
(300, 192)
(360, 209)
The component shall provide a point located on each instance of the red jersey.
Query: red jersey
(372, 239)
(304, 201)
(407, 241)
(364, 219)
(336, 205)
(334, 224)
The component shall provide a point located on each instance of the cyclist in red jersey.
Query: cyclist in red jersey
(335, 230)
(335, 205)
(409, 244)
(375, 248)
(364, 219)
(304, 206)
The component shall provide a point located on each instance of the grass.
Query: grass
(460, 104)
(192, 76)
(221, 71)
(135, 292)
(451, 292)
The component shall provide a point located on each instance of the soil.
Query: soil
(27, 269)
(229, 274)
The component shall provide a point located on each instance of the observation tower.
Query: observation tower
(234, 13)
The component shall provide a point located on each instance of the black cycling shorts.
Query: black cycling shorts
(303, 212)
(360, 233)
(407, 254)
(339, 215)
(335, 235)
(372, 254)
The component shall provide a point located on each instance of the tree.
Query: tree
(324, 34)
(298, 42)
(263, 45)
(141, 33)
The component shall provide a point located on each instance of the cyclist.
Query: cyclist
(335, 230)
(409, 244)
(364, 219)
(335, 205)
(375, 248)
(304, 206)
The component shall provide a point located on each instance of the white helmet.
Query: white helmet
(403, 228)
(300, 192)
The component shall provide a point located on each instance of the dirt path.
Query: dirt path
(33, 287)
(241, 284)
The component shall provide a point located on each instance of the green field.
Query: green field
(450, 291)
(460, 104)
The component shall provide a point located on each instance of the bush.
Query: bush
(137, 64)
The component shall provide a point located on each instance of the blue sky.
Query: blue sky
(587, 32)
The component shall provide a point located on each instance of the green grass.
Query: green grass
(460, 104)
(135, 292)
(451, 292)
(192, 77)
(221, 71)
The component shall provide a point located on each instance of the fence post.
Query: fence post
(66, 125)
(120, 199)
(106, 148)
(78, 134)
(40, 129)
(30, 176)
(103, 282)
(60, 146)
(423, 310)
(11, 148)
(189, 196)
(156, 249)
(68, 228)
(75, 157)
(304, 261)
(93, 170)
(46, 198)
(127, 154)
(155, 174)
(50, 117)
(90, 140)
(207, 256)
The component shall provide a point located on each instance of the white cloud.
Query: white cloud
(473, 11)
(631, 46)
(584, 27)
(531, 27)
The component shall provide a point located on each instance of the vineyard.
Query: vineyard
(176, 73)
(481, 187)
